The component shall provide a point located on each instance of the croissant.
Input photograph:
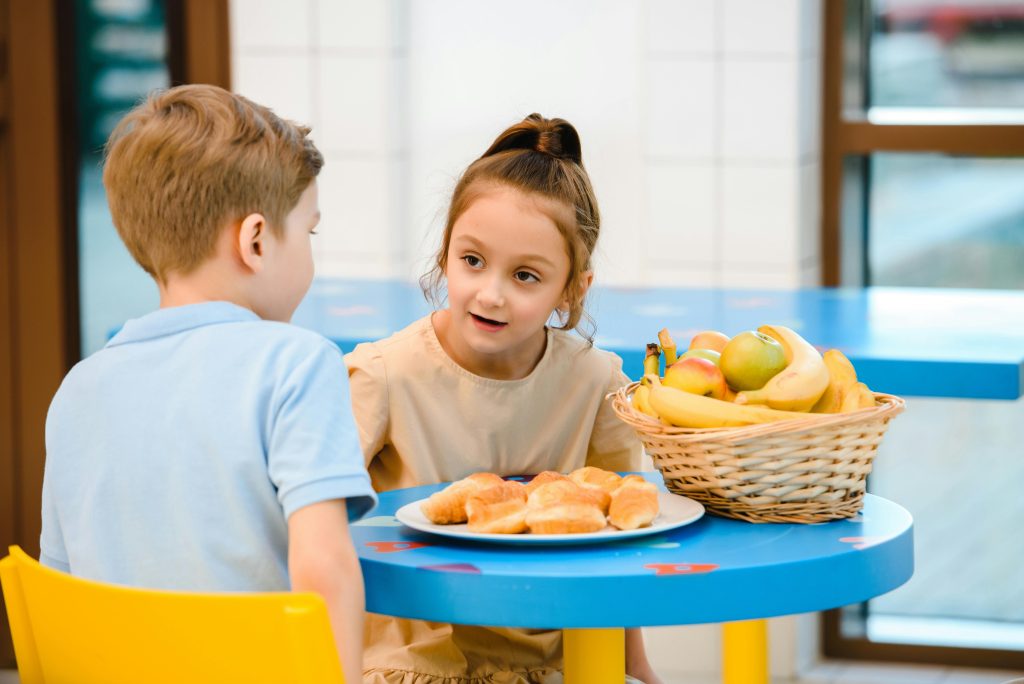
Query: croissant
(551, 493)
(500, 509)
(572, 517)
(589, 476)
(448, 506)
(633, 505)
(543, 478)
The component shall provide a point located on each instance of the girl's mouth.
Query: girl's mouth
(487, 323)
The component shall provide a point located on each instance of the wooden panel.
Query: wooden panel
(8, 510)
(203, 50)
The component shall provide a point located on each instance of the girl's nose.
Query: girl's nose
(490, 294)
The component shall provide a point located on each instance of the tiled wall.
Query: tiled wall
(699, 121)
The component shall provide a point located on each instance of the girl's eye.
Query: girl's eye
(526, 277)
(473, 261)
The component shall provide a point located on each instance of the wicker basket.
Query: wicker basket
(805, 470)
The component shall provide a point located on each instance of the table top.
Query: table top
(905, 341)
(712, 570)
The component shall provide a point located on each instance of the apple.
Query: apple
(709, 339)
(696, 375)
(751, 359)
(709, 354)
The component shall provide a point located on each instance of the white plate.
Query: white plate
(676, 511)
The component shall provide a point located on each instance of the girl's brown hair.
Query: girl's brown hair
(535, 156)
(189, 160)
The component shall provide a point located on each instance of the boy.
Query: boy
(210, 446)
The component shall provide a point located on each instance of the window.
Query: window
(923, 171)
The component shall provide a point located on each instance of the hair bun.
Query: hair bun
(554, 137)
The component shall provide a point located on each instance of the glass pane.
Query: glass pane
(956, 466)
(942, 221)
(947, 53)
(121, 54)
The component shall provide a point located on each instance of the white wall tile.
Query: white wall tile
(760, 216)
(357, 103)
(359, 24)
(700, 643)
(681, 26)
(759, 109)
(280, 81)
(808, 107)
(809, 222)
(356, 202)
(753, 277)
(681, 274)
(681, 108)
(760, 27)
(261, 24)
(811, 29)
(681, 214)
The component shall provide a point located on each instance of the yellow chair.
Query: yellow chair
(69, 630)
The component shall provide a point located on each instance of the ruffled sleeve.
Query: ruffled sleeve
(613, 444)
(368, 380)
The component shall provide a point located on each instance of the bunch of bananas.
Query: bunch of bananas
(810, 382)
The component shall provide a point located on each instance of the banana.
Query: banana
(858, 397)
(799, 385)
(642, 402)
(668, 346)
(841, 377)
(652, 360)
(695, 411)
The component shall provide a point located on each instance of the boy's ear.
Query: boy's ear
(252, 232)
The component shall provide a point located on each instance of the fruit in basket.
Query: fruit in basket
(751, 359)
(709, 339)
(697, 376)
(841, 378)
(652, 360)
(709, 354)
(642, 401)
(857, 398)
(684, 409)
(799, 386)
(668, 346)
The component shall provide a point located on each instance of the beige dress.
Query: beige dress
(424, 419)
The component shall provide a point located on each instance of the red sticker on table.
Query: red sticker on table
(681, 568)
(392, 546)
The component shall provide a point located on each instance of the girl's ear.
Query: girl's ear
(583, 282)
(252, 239)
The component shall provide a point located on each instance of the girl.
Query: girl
(486, 385)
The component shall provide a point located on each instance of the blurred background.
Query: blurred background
(770, 144)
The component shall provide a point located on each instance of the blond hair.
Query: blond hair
(543, 157)
(189, 160)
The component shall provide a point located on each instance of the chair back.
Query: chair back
(69, 630)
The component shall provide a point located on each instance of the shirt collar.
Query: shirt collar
(178, 319)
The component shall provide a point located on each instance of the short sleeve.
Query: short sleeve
(52, 550)
(313, 453)
(613, 444)
(367, 376)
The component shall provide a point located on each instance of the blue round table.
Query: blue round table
(712, 570)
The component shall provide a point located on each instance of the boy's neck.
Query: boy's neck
(208, 283)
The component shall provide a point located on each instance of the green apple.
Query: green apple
(696, 376)
(709, 354)
(751, 359)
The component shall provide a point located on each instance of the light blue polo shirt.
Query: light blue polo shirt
(176, 453)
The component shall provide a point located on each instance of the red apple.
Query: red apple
(709, 339)
(697, 376)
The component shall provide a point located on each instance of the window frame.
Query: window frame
(849, 139)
